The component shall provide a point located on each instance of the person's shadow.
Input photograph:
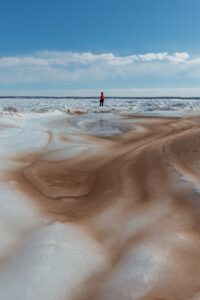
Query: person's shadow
(101, 123)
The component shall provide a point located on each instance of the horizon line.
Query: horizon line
(96, 97)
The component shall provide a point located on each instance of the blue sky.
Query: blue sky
(83, 46)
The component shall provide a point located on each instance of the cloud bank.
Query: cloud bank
(53, 58)
(88, 69)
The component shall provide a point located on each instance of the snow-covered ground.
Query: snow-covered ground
(111, 105)
(41, 257)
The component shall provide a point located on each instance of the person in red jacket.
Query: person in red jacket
(102, 98)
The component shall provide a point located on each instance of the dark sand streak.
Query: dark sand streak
(154, 172)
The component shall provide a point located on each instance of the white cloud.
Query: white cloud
(71, 67)
(47, 58)
(21, 61)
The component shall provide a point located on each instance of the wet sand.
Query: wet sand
(135, 190)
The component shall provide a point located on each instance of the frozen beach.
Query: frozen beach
(99, 204)
(114, 105)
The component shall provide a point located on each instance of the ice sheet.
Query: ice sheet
(117, 253)
(149, 106)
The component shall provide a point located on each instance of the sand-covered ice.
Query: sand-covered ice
(100, 206)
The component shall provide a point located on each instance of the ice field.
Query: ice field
(99, 203)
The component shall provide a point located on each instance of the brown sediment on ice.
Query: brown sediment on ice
(136, 194)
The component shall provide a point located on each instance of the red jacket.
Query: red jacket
(102, 98)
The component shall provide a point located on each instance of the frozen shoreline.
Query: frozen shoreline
(137, 106)
(98, 205)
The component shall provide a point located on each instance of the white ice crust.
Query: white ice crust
(42, 259)
(164, 105)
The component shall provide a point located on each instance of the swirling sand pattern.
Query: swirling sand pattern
(136, 193)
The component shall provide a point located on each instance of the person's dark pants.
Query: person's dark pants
(101, 103)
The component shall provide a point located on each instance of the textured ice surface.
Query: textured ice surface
(42, 258)
(168, 106)
(50, 264)
(136, 273)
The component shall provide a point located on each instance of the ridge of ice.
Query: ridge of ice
(15, 107)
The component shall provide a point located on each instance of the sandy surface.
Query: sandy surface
(120, 196)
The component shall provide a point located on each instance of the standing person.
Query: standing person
(102, 98)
